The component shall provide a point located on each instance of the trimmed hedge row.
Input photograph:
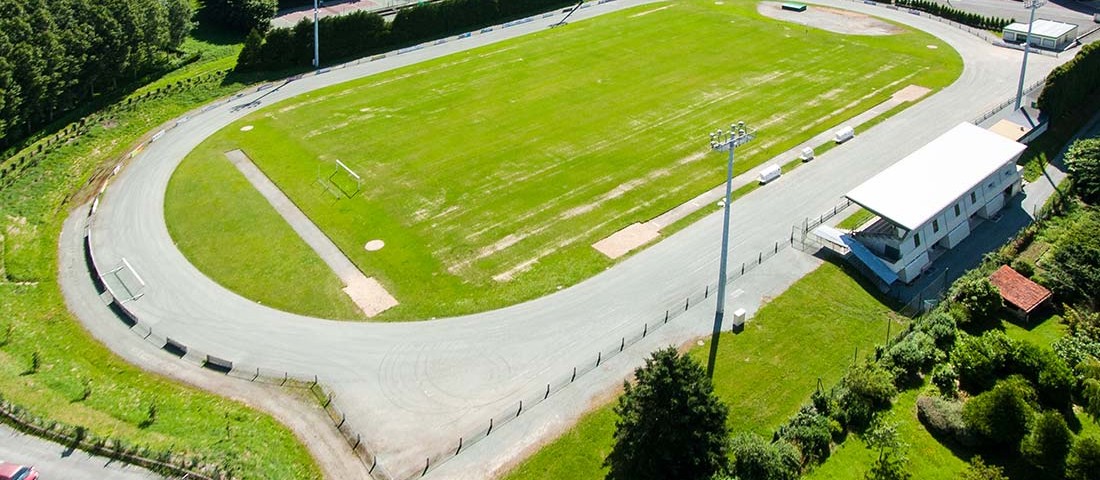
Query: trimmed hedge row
(963, 17)
(363, 33)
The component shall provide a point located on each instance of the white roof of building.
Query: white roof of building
(919, 186)
(1044, 28)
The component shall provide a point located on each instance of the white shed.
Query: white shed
(1045, 34)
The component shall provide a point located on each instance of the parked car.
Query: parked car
(12, 471)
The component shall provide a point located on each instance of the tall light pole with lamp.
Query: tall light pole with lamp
(738, 135)
(1033, 5)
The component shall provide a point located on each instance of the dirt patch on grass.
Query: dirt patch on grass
(831, 19)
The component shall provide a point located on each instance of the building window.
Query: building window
(958, 211)
(973, 198)
(935, 226)
(916, 240)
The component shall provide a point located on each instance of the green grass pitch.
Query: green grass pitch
(489, 173)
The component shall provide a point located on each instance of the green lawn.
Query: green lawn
(246, 217)
(764, 374)
(489, 173)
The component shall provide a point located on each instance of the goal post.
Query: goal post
(342, 182)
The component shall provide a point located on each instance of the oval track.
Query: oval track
(413, 388)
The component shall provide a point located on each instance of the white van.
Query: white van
(844, 134)
(769, 173)
(807, 154)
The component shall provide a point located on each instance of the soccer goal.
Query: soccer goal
(341, 182)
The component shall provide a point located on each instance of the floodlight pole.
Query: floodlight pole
(718, 141)
(316, 39)
(1033, 5)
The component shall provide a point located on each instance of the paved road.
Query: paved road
(55, 461)
(412, 389)
(1069, 11)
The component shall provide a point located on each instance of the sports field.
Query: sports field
(490, 173)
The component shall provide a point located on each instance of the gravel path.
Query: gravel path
(413, 389)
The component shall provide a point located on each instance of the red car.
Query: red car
(11, 471)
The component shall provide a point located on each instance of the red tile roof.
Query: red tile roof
(1018, 290)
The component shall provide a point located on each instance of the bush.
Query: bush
(1023, 267)
(1049, 373)
(939, 325)
(944, 419)
(1047, 444)
(1090, 388)
(946, 379)
(1001, 415)
(1082, 322)
(1083, 462)
(978, 470)
(979, 297)
(865, 389)
(1083, 163)
(811, 432)
(1074, 350)
(907, 358)
(1073, 271)
(980, 360)
(755, 458)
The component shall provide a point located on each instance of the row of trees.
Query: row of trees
(361, 33)
(961, 16)
(240, 15)
(1068, 85)
(57, 54)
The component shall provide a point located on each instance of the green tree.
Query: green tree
(1090, 387)
(1047, 444)
(755, 458)
(179, 21)
(251, 55)
(978, 470)
(1083, 462)
(891, 462)
(671, 425)
(865, 389)
(811, 432)
(1083, 163)
(1002, 414)
(980, 360)
(979, 297)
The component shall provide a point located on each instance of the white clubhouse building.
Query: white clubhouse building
(928, 201)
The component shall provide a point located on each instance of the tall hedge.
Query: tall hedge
(1068, 84)
(966, 18)
(362, 33)
(240, 15)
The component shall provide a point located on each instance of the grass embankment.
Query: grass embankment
(489, 173)
(764, 374)
(250, 444)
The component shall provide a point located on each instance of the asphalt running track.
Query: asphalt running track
(413, 389)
